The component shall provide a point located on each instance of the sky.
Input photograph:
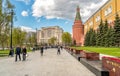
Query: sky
(32, 14)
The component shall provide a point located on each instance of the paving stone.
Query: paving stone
(50, 64)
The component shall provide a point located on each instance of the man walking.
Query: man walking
(41, 50)
(58, 51)
(17, 52)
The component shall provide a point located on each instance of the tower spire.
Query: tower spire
(78, 17)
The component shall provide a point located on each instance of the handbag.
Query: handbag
(26, 55)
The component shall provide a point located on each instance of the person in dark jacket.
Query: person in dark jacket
(61, 47)
(11, 53)
(17, 52)
(24, 52)
(33, 49)
(41, 50)
(58, 51)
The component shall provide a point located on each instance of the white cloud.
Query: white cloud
(42, 7)
(27, 29)
(25, 1)
(65, 9)
(24, 13)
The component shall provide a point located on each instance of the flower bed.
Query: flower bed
(77, 51)
(92, 56)
(83, 54)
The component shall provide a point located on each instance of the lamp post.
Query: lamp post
(11, 28)
(11, 49)
(36, 39)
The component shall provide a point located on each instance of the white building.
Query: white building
(45, 33)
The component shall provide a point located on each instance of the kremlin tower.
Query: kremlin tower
(78, 29)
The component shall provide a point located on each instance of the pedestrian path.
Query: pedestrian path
(50, 64)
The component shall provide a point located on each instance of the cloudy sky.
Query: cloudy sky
(41, 13)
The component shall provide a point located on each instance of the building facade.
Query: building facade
(45, 33)
(107, 12)
(78, 29)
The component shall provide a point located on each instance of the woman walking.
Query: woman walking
(24, 52)
(58, 51)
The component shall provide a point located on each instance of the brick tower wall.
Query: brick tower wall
(78, 33)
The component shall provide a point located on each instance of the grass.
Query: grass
(6, 52)
(102, 50)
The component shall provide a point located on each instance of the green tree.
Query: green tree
(31, 39)
(90, 38)
(66, 38)
(110, 37)
(87, 39)
(117, 30)
(105, 34)
(5, 20)
(18, 37)
(99, 34)
(52, 41)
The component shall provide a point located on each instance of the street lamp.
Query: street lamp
(36, 40)
(12, 13)
(11, 49)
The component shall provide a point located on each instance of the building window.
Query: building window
(108, 11)
(105, 12)
(42, 34)
(91, 23)
(97, 18)
(49, 33)
(86, 27)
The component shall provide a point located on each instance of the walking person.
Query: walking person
(24, 52)
(33, 49)
(17, 52)
(61, 47)
(11, 53)
(58, 50)
(41, 50)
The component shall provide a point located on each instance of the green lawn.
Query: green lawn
(6, 52)
(103, 50)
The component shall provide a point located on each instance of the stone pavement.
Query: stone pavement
(50, 64)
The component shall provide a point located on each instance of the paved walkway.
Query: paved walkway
(50, 64)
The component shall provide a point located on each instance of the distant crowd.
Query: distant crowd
(22, 50)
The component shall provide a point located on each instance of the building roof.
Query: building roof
(78, 17)
(51, 27)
